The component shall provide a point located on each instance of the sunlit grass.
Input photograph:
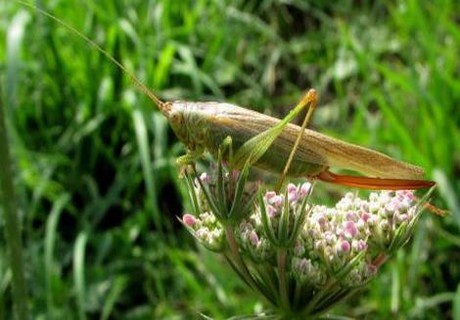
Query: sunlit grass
(95, 166)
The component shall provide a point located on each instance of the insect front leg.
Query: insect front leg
(189, 159)
(227, 143)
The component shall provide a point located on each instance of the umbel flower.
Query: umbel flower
(303, 258)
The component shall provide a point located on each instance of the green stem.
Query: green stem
(239, 263)
(324, 292)
(282, 278)
(12, 228)
(325, 307)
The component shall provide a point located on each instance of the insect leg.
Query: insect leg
(310, 100)
(373, 183)
(190, 157)
(253, 149)
(228, 143)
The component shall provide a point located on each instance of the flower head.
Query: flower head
(279, 240)
(206, 229)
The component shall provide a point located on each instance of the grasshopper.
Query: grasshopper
(270, 143)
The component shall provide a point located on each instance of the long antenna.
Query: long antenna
(132, 77)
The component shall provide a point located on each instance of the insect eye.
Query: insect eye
(175, 117)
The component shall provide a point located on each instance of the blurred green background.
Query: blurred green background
(96, 180)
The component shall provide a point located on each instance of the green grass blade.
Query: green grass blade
(79, 274)
(456, 305)
(146, 162)
(50, 242)
(118, 285)
(12, 223)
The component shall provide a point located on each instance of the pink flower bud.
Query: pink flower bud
(291, 188)
(365, 216)
(351, 216)
(305, 189)
(269, 195)
(350, 229)
(189, 220)
(322, 221)
(205, 178)
(345, 246)
(359, 245)
(271, 211)
(406, 194)
(277, 200)
(292, 194)
(254, 238)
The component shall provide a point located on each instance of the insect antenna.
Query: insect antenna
(141, 86)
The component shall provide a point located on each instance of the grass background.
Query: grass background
(95, 174)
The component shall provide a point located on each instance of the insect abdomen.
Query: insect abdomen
(275, 158)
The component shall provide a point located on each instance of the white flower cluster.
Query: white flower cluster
(349, 237)
(205, 225)
(342, 242)
(252, 233)
(206, 229)
(302, 257)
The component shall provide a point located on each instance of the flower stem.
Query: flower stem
(239, 263)
(324, 292)
(380, 260)
(12, 228)
(281, 256)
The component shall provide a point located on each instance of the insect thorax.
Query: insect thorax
(189, 124)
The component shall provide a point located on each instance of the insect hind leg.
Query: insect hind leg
(309, 100)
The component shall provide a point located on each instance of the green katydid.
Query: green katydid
(269, 143)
